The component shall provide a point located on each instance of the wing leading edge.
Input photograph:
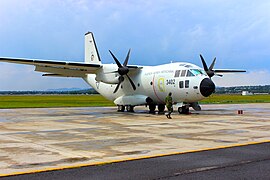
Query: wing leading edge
(57, 68)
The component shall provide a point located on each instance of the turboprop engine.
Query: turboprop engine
(105, 74)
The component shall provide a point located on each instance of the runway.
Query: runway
(37, 140)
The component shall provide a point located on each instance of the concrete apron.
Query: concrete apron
(33, 140)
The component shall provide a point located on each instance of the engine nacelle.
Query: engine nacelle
(108, 74)
(133, 100)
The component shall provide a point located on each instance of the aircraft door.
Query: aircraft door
(183, 85)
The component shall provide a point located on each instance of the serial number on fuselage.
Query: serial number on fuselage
(170, 82)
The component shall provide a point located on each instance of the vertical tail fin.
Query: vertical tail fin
(91, 52)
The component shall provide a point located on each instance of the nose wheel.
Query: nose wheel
(183, 110)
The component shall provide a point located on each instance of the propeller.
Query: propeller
(122, 70)
(209, 71)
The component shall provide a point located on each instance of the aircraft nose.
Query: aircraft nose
(207, 87)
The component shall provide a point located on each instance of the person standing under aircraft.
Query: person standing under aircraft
(169, 103)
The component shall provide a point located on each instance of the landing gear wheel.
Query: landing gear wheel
(130, 108)
(161, 108)
(183, 110)
(180, 110)
(120, 108)
(152, 108)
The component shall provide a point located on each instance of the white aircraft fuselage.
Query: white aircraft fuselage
(154, 82)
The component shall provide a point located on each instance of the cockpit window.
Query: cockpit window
(189, 74)
(197, 72)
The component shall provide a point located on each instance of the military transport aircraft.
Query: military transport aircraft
(132, 85)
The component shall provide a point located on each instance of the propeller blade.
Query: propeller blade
(212, 65)
(126, 60)
(121, 79)
(209, 71)
(131, 82)
(204, 63)
(122, 70)
(117, 87)
(116, 60)
(212, 72)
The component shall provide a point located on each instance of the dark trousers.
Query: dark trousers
(170, 110)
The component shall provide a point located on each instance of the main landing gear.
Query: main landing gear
(122, 108)
(183, 109)
(161, 108)
(152, 108)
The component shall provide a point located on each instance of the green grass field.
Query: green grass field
(235, 99)
(45, 101)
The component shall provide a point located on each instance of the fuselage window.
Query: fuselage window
(183, 73)
(186, 83)
(177, 73)
(189, 74)
(181, 84)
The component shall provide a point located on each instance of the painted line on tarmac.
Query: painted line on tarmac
(130, 159)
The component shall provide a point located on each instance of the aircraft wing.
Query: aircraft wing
(57, 68)
(227, 70)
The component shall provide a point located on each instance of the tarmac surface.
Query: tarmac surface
(41, 139)
(244, 162)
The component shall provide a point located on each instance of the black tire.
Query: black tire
(121, 108)
(186, 110)
(183, 110)
(161, 108)
(130, 108)
(152, 108)
(180, 110)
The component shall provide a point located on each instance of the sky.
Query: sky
(237, 33)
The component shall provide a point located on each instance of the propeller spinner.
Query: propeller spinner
(122, 70)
